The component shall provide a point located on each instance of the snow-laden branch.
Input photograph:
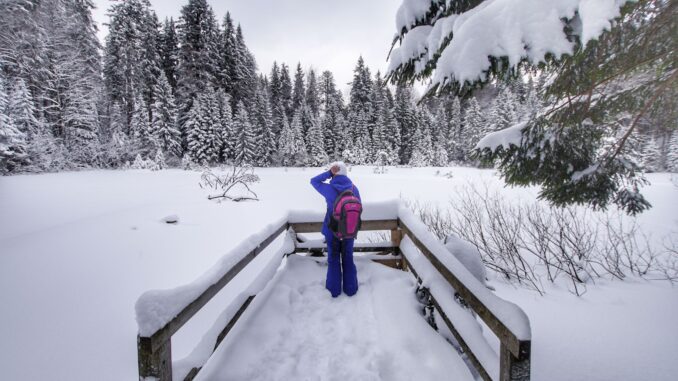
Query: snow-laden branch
(517, 30)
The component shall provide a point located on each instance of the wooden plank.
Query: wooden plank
(165, 333)
(315, 227)
(232, 322)
(469, 353)
(390, 262)
(514, 368)
(222, 335)
(156, 362)
(500, 330)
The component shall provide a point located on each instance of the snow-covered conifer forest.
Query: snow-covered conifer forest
(534, 141)
(192, 89)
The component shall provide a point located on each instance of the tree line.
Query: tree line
(189, 90)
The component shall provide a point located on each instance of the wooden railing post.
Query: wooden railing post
(158, 363)
(396, 237)
(514, 368)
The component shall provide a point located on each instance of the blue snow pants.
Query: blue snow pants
(341, 268)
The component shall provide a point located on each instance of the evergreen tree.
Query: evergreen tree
(13, 145)
(286, 145)
(650, 155)
(473, 127)
(213, 119)
(316, 145)
(140, 128)
(393, 136)
(286, 90)
(440, 157)
(226, 128)
(245, 76)
(504, 112)
(672, 154)
(197, 131)
(169, 52)
(421, 153)
(312, 94)
(298, 96)
(22, 109)
(118, 145)
(275, 98)
(292, 149)
(229, 55)
(357, 143)
(263, 127)
(164, 123)
(131, 59)
(361, 88)
(199, 66)
(454, 145)
(405, 116)
(245, 149)
(159, 160)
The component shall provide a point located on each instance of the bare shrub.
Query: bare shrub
(528, 242)
(233, 185)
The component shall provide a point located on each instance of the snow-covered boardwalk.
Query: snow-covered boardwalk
(296, 331)
(284, 325)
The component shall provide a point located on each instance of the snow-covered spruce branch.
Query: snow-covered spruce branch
(234, 185)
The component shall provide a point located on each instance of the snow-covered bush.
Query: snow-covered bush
(138, 163)
(234, 184)
(151, 164)
(159, 161)
(381, 160)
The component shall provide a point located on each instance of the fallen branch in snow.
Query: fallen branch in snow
(233, 186)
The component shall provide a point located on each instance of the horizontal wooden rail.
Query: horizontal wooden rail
(315, 227)
(359, 247)
(154, 352)
(514, 353)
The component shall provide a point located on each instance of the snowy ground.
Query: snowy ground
(77, 249)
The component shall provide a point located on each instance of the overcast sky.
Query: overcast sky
(322, 34)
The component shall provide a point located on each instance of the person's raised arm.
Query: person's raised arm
(318, 181)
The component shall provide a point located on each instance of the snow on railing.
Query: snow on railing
(156, 308)
(508, 313)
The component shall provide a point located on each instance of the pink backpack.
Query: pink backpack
(345, 220)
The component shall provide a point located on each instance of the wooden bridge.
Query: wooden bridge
(451, 289)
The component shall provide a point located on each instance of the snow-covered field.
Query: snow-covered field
(77, 249)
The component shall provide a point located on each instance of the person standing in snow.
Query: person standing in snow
(340, 269)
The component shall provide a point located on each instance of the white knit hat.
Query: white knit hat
(342, 167)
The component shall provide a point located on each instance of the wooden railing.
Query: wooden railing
(154, 351)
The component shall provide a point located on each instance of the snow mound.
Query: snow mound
(171, 219)
(468, 255)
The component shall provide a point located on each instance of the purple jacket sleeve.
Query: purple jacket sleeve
(320, 186)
